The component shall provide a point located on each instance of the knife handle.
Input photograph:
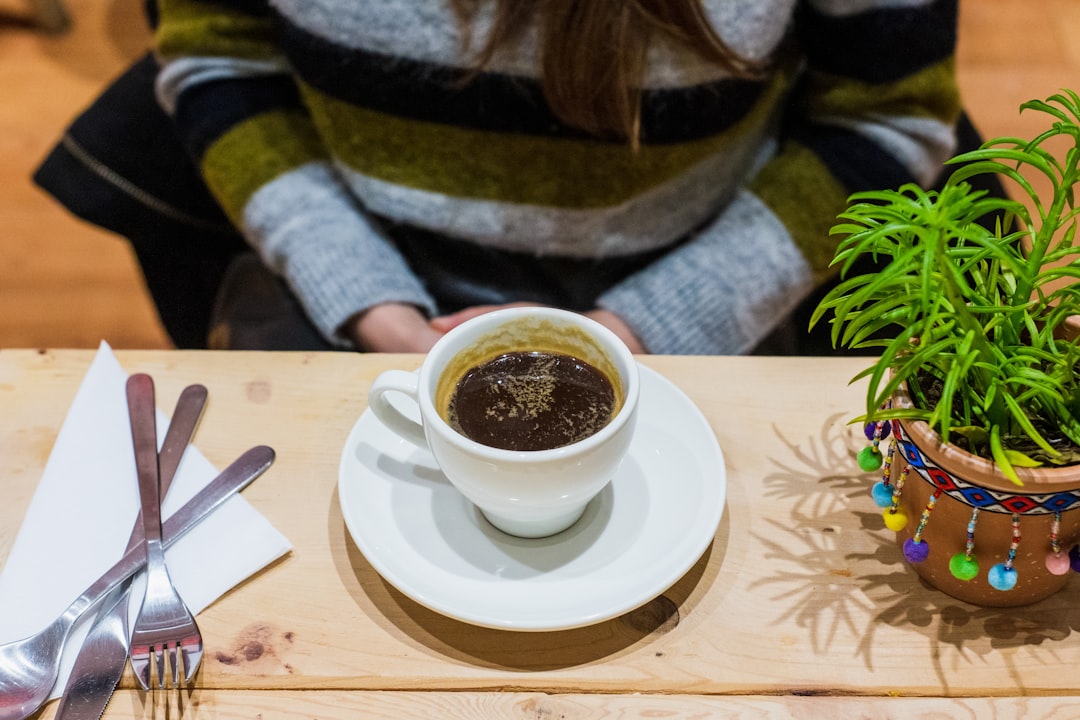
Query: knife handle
(185, 418)
(232, 479)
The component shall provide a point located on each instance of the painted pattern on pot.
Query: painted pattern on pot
(967, 530)
(982, 497)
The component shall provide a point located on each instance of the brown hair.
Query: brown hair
(592, 52)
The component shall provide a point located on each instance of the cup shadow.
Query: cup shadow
(518, 651)
(529, 651)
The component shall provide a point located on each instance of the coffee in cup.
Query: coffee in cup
(527, 411)
(530, 400)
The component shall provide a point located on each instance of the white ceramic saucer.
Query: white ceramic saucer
(643, 532)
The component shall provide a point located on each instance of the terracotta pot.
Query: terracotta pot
(1072, 327)
(966, 481)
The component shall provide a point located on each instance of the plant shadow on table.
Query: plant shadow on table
(535, 651)
(869, 585)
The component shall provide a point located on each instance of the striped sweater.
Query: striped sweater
(312, 120)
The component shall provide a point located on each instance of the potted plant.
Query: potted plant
(976, 387)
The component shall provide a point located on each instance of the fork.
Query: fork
(165, 629)
(101, 660)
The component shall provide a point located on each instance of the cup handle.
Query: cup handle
(402, 382)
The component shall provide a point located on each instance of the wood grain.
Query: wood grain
(66, 284)
(803, 593)
(378, 705)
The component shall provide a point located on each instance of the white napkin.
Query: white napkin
(82, 512)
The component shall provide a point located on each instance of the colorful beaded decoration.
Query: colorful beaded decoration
(1057, 562)
(1003, 575)
(882, 491)
(915, 548)
(964, 566)
(869, 458)
(894, 515)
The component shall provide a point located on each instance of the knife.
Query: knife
(100, 662)
(229, 481)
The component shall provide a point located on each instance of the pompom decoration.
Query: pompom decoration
(963, 566)
(1074, 558)
(916, 550)
(869, 459)
(1057, 563)
(882, 491)
(882, 494)
(877, 430)
(1002, 577)
(895, 520)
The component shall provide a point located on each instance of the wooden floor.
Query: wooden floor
(65, 284)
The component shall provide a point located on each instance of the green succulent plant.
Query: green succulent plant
(969, 301)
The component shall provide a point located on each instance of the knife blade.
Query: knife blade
(100, 663)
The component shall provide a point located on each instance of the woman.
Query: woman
(669, 167)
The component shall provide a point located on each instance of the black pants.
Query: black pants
(121, 166)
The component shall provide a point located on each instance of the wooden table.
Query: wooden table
(802, 607)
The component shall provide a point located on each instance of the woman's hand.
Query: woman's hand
(446, 323)
(392, 328)
(615, 324)
(608, 319)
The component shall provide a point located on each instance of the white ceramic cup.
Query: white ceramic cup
(532, 493)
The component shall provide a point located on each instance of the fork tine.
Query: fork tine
(140, 664)
(142, 672)
(159, 661)
(170, 649)
(182, 666)
(176, 657)
(191, 649)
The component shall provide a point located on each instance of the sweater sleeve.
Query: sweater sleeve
(240, 114)
(875, 105)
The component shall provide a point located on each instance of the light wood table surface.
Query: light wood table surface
(802, 606)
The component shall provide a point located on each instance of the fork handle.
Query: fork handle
(185, 418)
(141, 410)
